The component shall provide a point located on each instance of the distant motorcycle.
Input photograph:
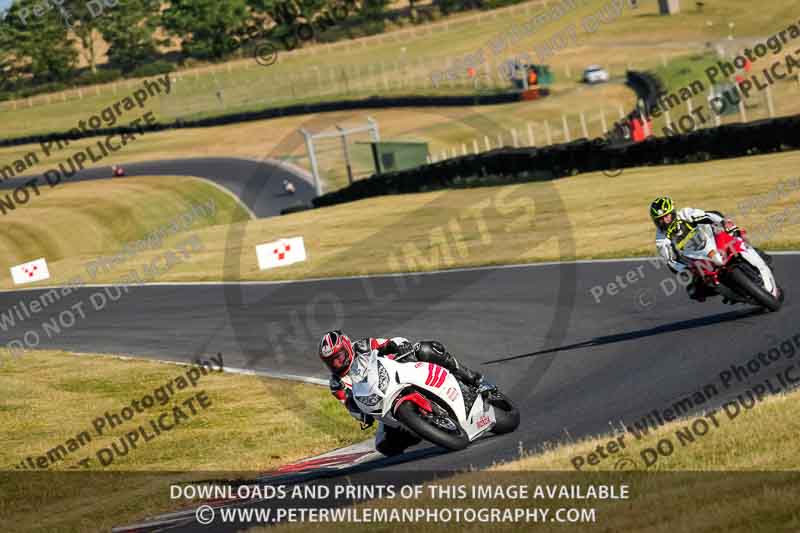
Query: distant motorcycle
(729, 264)
(427, 400)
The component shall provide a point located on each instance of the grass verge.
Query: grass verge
(598, 216)
(251, 425)
(741, 475)
(391, 67)
(441, 128)
(86, 220)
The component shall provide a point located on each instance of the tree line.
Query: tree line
(44, 42)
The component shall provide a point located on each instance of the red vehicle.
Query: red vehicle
(728, 264)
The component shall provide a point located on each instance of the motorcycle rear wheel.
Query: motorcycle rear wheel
(753, 290)
(408, 413)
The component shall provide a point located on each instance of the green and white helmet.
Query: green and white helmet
(659, 209)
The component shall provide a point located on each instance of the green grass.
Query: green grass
(441, 128)
(637, 39)
(741, 476)
(252, 425)
(682, 71)
(435, 230)
(633, 38)
(92, 219)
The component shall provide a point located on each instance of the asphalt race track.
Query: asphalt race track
(577, 371)
(575, 366)
(244, 178)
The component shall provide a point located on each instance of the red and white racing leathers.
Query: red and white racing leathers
(341, 387)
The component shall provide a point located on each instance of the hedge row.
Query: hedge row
(510, 165)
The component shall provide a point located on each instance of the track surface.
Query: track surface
(233, 174)
(616, 360)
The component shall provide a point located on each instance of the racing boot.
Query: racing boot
(485, 387)
(698, 290)
(474, 379)
(393, 441)
(695, 292)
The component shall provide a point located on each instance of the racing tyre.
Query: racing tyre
(423, 424)
(744, 283)
(504, 411)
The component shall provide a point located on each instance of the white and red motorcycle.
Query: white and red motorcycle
(429, 401)
(729, 264)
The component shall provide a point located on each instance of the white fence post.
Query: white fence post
(770, 105)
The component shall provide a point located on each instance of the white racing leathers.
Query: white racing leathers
(693, 216)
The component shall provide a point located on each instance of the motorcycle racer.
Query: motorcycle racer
(347, 359)
(665, 216)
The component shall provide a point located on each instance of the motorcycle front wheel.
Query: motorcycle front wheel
(745, 284)
(506, 413)
(439, 429)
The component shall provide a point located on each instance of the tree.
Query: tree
(207, 28)
(84, 25)
(40, 47)
(373, 9)
(6, 55)
(130, 33)
(285, 17)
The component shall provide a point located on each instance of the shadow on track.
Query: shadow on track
(640, 333)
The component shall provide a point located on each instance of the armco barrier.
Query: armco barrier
(511, 165)
(374, 102)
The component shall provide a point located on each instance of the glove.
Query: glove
(730, 227)
(388, 348)
(392, 348)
